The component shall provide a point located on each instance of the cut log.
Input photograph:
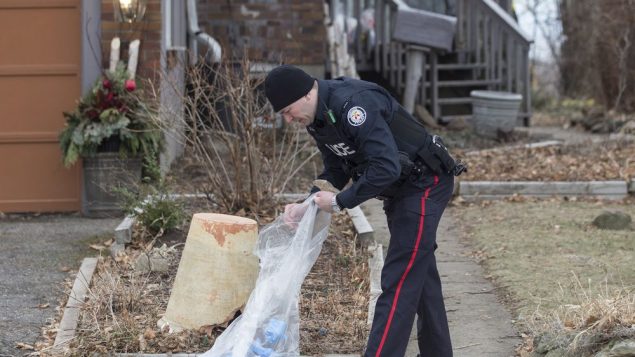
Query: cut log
(217, 272)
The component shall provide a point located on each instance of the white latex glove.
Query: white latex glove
(323, 200)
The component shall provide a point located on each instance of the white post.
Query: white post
(414, 68)
(115, 44)
(133, 56)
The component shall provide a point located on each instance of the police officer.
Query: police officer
(365, 135)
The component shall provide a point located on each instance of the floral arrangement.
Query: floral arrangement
(112, 112)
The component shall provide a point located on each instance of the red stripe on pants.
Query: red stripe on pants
(405, 273)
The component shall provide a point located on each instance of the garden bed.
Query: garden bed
(124, 305)
(613, 160)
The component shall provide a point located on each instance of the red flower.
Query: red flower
(93, 114)
(130, 85)
(106, 83)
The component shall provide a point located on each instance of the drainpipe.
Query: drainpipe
(214, 51)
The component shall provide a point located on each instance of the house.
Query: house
(55, 57)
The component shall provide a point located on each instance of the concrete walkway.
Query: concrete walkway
(33, 251)
(479, 324)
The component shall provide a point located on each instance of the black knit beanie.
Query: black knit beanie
(286, 84)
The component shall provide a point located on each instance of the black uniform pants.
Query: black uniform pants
(410, 281)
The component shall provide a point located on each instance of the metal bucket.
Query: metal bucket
(494, 113)
(102, 174)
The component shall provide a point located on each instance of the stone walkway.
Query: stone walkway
(479, 324)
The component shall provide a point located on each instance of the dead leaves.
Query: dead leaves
(103, 245)
(97, 247)
(586, 162)
(148, 335)
(24, 346)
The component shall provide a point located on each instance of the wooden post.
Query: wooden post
(414, 69)
(499, 47)
(478, 42)
(434, 87)
(509, 62)
(527, 81)
(385, 39)
(379, 23)
(423, 84)
(357, 14)
(400, 70)
(216, 274)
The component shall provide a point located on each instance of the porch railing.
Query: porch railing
(487, 37)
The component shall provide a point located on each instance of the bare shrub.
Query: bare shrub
(597, 53)
(246, 153)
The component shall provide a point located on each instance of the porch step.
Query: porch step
(468, 83)
(455, 100)
(459, 66)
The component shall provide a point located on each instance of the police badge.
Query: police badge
(356, 116)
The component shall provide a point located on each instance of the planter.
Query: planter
(102, 174)
(494, 113)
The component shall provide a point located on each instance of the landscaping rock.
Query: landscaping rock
(552, 345)
(603, 353)
(157, 260)
(628, 128)
(116, 249)
(623, 349)
(558, 352)
(123, 232)
(545, 343)
(615, 220)
(159, 263)
(142, 263)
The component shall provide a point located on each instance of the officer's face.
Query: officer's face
(302, 111)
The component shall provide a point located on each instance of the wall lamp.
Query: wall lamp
(129, 10)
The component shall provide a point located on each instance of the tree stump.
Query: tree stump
(216, 274)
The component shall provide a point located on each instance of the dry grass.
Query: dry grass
(335, 294)
(561, 276)
(123, 306)
(595, 317)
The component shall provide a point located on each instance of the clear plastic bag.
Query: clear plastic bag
(269, 324)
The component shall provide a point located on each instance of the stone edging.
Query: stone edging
(68, 324)
(491, 190)
(123, 233)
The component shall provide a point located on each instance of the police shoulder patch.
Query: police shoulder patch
(356, 116)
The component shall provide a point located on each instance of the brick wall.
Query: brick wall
(148, 31)
(290, 31)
